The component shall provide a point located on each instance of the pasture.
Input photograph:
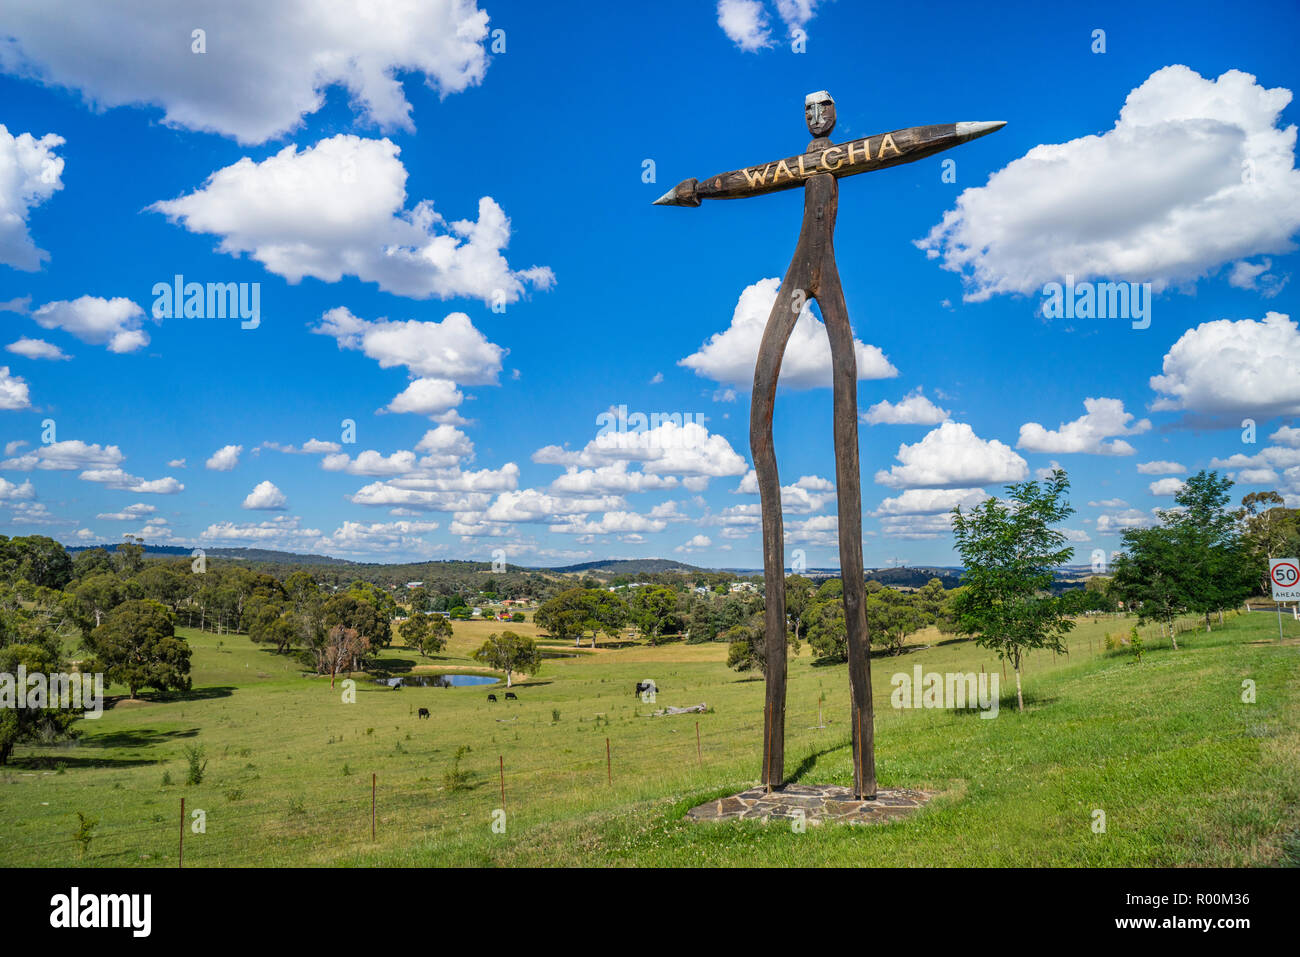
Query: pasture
(1186, 773)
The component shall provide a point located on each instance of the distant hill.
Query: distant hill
(627, 566)
(244, 554)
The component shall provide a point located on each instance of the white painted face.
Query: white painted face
(819, 111)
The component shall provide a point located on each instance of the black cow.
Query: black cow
(422, 713)
(643, 686)
(492, 697)
(511, 696)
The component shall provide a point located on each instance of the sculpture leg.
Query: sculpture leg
(780, 323)
(830, 298)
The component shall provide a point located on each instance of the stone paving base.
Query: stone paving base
(818, 802)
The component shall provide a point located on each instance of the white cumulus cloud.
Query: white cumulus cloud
(111, 322)
(265, 65)
(30, 173)
(225, 458)
(1195, 173)
(728, 357)
(913, 409)
(265, 496)
(1091, 432)
(339, 209)
(1226, 368)
(953, 456)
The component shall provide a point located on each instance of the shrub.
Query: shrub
(456, 778)
(194, 754)
(85, 827)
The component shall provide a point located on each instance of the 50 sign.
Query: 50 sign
(1284, 574)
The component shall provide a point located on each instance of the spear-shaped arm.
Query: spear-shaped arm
(842, 159)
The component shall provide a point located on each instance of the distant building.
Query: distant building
(414, 584)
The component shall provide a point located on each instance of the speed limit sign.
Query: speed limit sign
(1284, 573)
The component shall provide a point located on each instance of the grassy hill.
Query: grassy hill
(1186, 773)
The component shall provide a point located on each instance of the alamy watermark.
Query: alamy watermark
(179, 299)
(1098, 300)
(70, 692)
(953, 690)
(656, 430)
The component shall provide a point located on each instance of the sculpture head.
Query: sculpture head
(819, 111)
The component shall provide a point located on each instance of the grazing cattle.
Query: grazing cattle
(644, 686)
(492, 697)
(422, 713)
(511, 696)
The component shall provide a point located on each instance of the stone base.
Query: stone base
(818, 802)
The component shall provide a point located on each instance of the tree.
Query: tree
(799, 596)
(128, 557)
(891, 617)
(747, 646)
(564, 616)
(101, 593)
(19, 725)
(1009, 550)
(654, 608)
(1146, 576)
(136, 646)
(343, 650)
(164, 584)
(509, 652)
(575, 611)
(827, 631)
(1269, 530)
(42, 561)
(1195, 560)
(91, 562)
(351, 610)
(1213, 560)
(425, 633)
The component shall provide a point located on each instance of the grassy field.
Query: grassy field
(1186, 773)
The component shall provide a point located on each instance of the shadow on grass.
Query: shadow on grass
(139, 738)
(810, 761)
(168, 697)
(47, 762)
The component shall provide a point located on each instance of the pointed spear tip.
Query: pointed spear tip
(970, 131)
(683, 194)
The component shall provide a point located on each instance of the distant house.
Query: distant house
(414, 584)
(744, 586)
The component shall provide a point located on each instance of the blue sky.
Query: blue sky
(329, 158)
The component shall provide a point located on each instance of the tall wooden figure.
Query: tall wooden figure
(813, 275)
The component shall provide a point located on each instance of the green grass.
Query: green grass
(1186, 773)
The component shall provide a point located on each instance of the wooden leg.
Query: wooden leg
(781, 322)
(830, 298)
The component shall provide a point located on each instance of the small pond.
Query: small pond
(436, 681)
